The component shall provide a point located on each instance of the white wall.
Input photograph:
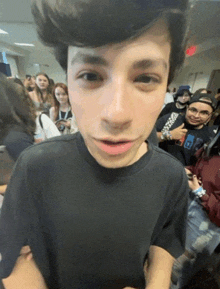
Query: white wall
(196, 71)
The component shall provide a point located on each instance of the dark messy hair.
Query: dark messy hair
(94, 23)
(16, 107)
(181, 93)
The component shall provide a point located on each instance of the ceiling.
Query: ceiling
(16, 19)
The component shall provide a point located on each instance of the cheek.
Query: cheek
(153, 103)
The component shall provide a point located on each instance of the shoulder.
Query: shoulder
(52, 109)
(16, 133)
(206, 133)
(51, 149)
(163, 119)
(170, 105)
(46, 120)
(167, 164)
(44, 117)
(209, 130)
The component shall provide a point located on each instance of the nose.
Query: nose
(197, 114)
(117, 109)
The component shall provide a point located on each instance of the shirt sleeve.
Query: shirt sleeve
(170, 230)
(165, 110)
(20, 223)
(161, 122)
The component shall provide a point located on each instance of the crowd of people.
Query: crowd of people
(112, 181)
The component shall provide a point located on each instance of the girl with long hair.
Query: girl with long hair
(41, 95)
(17, 117)
(61, 112)
(61, 108)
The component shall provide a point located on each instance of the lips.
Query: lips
(114, 147)
(194, 120)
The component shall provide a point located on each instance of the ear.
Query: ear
(209, 118)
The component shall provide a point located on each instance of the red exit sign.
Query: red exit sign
(191, 51)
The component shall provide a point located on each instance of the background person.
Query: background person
(182, 135)
(41, 95)
(28, 83)
(182, 99)
(203, 224)
(17, 126)
(17, 117)
(61, 112)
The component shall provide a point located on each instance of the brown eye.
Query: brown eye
(147, 79)
(90, 76)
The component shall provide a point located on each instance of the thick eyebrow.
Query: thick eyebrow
(88, 59)
(84, 58)
(200, 110)
(150, 63)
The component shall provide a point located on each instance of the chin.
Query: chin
(114, 161)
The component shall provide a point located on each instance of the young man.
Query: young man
(94, 206)
(188, 132)
(179, 105)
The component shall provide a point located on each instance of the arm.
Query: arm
(52, 114)
(25, 275)
(32, 95)
(158, 268)
(175, 134)
(3, 189)
(18, 226)
(211, 183)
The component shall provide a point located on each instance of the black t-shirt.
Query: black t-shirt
(89, 226)
(185, 148)
(171, 107)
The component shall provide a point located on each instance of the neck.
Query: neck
(178, 105)
(44, 92)
(64, 106)
(190, 126)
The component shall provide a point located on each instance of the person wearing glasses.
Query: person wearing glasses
(182, 135)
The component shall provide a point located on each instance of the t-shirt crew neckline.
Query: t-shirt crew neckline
(118, 172)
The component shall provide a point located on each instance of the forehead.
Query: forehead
(184, 94)
(201, 106)
(41, 76)
(60, 89)
(153, 44)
